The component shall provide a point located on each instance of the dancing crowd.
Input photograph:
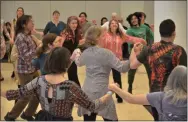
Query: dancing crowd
(39, 67)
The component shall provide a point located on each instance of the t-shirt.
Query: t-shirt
(162, 58)
(143, 32)
(52, 28)
(168, 111)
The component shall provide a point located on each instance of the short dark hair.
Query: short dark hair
(167, 28)
(56, 12)
(57, 61)
(103, 19)
(84, 13)
(131, 16)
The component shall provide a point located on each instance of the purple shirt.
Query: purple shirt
(168, 111)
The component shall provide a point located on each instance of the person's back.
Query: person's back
(97, 69)
(56, 94)
(65, 94)
(164, 55)
(167, 110)
(98, 62)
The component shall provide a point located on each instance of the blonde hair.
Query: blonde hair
(92, 34)
(176, 86)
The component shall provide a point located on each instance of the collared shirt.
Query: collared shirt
(26, 52)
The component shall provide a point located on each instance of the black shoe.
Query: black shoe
(120, 100)
(28, 118)
(13, 75)
(7, 118)
(2, 79)
(130, 89)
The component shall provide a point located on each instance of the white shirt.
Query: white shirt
(106, 25)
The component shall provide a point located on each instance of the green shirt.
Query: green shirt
(143, 32)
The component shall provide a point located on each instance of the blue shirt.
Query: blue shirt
(39, 63)
(52, 28)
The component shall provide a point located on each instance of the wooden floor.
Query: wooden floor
(125, 110)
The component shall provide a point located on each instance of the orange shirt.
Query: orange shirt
(114, 42)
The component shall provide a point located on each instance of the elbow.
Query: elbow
(133, 66)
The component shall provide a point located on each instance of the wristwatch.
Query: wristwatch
(110, 92)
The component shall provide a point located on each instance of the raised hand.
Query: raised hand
(94, 22)
(33, 31)
(82, 41)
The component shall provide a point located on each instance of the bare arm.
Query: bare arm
(134, 40)
(133, 99)
(137, 50)
(12, 30)
(37, 41)
(134, 63)
(38, 32)
(122, 29)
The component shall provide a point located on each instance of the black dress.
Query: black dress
(71, 45)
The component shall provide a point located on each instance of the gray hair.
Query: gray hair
(176, 86)
(92, 34)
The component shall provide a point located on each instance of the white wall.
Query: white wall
(98, 9)
(128, 7)
(149, 11)
(175, 10)
(42, 10)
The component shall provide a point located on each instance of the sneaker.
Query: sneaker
(7, 118)
(28, 118)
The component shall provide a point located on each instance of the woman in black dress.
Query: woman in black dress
(73, 36)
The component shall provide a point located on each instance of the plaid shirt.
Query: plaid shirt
(26, 52)
(3, 46)
(114, 43)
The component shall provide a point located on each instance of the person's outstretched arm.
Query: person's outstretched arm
(80, 98)
(134, 99)
(27, 89)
